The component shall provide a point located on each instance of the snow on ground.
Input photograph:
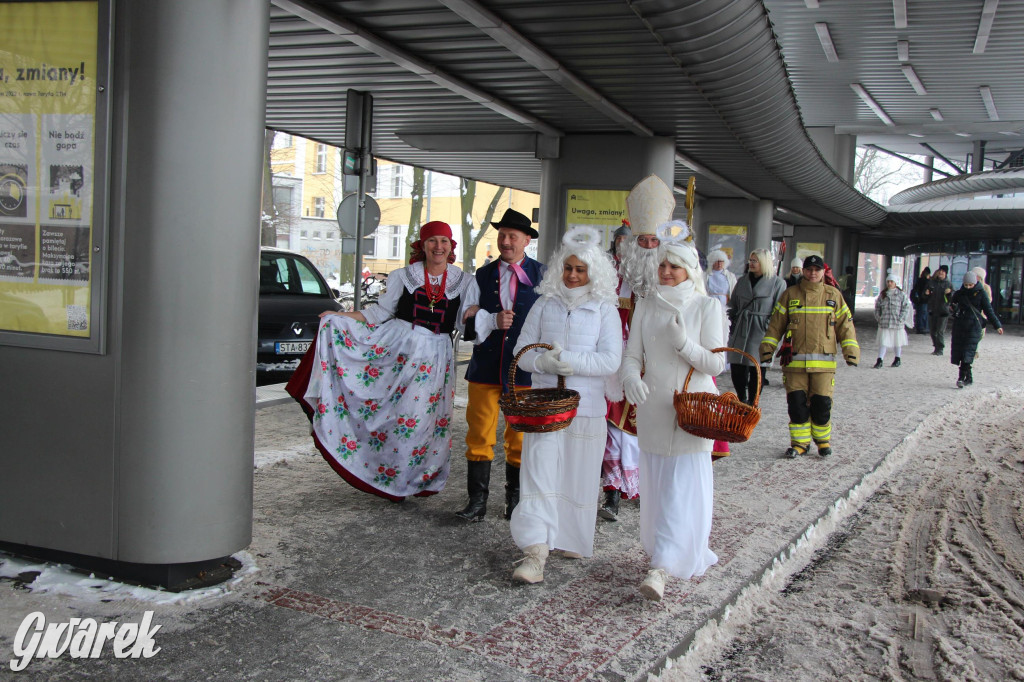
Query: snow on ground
(917, 574)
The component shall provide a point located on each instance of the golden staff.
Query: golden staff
(691, 188)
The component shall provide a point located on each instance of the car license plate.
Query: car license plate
(291, 347)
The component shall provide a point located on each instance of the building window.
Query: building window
(316, 234)
(303, 233)
(396, 181)
(318, 207)
(330, 235)
(321, 158)
(283, 200)
(370, 246)
(396, 242)
(281, 140)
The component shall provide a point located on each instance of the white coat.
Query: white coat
(591, 339)
(651, 347)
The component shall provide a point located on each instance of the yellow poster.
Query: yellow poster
(602, 209)
(732, 241)
(47, 149)
(805, 249)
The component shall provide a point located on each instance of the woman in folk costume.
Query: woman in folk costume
(378, 384)
(561, 470)
(673, 329)
(719, 280)
(893, 312)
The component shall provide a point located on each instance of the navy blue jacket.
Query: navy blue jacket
(492, 358)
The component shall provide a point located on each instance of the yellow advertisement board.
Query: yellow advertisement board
(805, 249)
(732, 241)
(48, 87)
(602, 209)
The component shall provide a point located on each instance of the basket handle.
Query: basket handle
(757, 396)
(515, 363)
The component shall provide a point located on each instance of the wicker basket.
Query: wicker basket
(718, 417)
(538, 410)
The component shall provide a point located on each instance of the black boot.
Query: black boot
(478, 478)
(896, 363)
(878, 364)
(960, 377)
(968, 375)
(609, 511)
(511, 489)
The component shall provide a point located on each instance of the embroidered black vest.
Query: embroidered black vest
(415, 307)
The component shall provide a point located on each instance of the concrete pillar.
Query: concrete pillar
(599, 162)
(143, 455)
(760, 236)
(928, 172)
(840, 151)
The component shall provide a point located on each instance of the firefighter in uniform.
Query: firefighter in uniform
(814, 318)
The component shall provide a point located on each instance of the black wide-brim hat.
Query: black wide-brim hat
(516, 221)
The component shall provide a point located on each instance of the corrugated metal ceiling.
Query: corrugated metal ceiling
(733, 81)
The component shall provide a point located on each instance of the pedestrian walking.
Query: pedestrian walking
(893, 312)
(938, 294)
(749, 310)
(814, 324)
(560, 471)
(971, 311)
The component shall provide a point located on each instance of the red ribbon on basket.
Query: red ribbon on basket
(540, 421)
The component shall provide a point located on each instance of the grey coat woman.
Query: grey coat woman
(750, 309)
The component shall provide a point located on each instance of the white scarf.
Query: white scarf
(575, 297)
(676, 297)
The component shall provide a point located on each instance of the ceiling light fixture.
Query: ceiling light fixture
(872, 104)
(988, 15)
(915, 134)
(811, 4)
(899, 13)
(962, 134)
(990, 104)
(915, 82)
(825, 38)
(903, 50)
(936, 114)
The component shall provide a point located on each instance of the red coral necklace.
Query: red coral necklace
(434, 295)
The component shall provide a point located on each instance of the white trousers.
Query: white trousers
(676, 503)
(558, 487)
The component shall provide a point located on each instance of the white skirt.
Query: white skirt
(558, 487)
(892, 338)
(676, 504)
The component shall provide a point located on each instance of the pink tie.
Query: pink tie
(520, 277)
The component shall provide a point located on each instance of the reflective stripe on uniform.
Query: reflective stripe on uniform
(849, 342)
(770, 341)
(800, 434)
(821, 433)
(812, 364)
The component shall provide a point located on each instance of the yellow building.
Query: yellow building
(306, 204)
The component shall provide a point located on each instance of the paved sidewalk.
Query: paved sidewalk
(350, 586)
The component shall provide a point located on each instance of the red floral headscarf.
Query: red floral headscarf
(435, 228)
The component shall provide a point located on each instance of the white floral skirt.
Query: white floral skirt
(382, 405)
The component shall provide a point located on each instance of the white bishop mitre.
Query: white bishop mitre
(650, 203)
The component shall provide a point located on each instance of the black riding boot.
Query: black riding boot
(968, 376)
(511, 489)
(478, 478)
(609, 511)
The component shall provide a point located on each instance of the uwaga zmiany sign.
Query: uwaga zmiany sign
(47, 158)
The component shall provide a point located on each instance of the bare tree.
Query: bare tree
(470, 236)
(268, 226)
(879, 176)
(419, 184)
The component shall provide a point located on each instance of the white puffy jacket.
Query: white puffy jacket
(591, 339)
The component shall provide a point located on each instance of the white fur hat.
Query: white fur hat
(796, 263)
(650, 203)
(890, 276)
(718, 255)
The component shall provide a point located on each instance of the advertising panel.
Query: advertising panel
(731, 240)
(48, 113)
(602, 209)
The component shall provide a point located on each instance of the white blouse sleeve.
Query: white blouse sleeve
(384, 309)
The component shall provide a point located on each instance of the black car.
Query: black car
(293, 293)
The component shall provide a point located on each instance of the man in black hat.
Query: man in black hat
(506, 296)
(812, 319)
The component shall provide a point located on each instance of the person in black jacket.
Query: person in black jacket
(938, 294)
(968, 305)
(920, 301)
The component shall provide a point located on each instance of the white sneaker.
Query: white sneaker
(653, 586)
(531, 567)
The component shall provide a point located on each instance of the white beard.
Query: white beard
(638, 266)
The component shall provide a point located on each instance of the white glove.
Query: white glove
(549, 362)
(635, 389)
(677, 331)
